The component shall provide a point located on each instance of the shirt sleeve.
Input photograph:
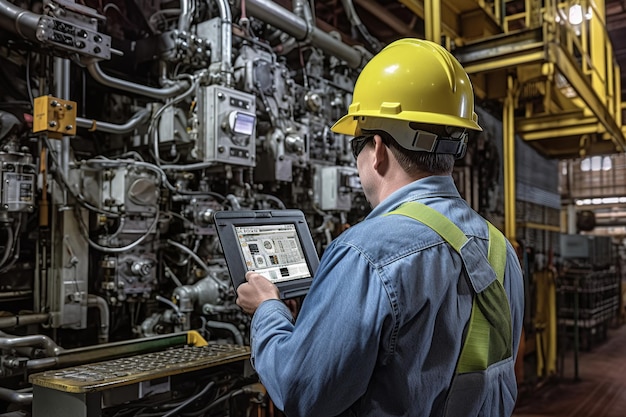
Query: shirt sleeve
(514, 286)
(323, 363)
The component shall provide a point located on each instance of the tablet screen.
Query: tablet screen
(273, 251)
(274, 243)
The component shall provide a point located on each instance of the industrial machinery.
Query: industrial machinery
(123, 128)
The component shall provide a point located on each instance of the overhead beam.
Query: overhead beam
(387, 18)
(417, 7)
(586, 93)
(502, 52)
(509, 52)
(551, 126)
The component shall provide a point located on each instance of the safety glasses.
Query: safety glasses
(358, 143)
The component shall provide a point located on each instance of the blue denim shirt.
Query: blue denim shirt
(380, 331)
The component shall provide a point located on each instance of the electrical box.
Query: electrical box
(17, 182)
(335, 187)
(121, 189)
(227, 128)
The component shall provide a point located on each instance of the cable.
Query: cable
(183, 405)
(159, 113)
(276, 200)
(121, 249)
(196, 258)
(8, 249)
(190, 400)
(28, 86)
(214, 403)
(15, 247)
(169, 303)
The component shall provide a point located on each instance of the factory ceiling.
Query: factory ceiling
(566, 104)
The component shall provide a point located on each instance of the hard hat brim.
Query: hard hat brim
(349, 124)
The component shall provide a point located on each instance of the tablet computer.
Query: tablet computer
(274, 243)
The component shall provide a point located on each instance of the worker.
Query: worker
(416, 310)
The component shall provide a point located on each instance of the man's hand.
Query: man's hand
(251, 294)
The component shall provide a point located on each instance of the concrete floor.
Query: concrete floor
(599, 391)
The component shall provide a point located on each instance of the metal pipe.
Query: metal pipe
(18, 413)
(227, 326)
(432, 21)
(112, 350)
(508, 128)
(108, 351)
(16, 397)
(25, 320)
(42, 363)
(279, 17)
(15, 294)
(187, 10)
(51, 348)
(25, 24)
(227, 41)
(158, 93)
(19, 21)
(103, 307)
(576, 325)
(355, 21)
(106, 127)
(291, 24)
(62, 91)
(62, 78)
(302, 9)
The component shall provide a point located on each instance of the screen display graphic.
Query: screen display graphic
(273, 251)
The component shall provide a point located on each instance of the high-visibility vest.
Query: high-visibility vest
(489, 336)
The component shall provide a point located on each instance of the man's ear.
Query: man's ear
(381, 156)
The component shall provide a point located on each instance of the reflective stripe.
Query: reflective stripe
(489, 335)
(497, 251)
(435, 220)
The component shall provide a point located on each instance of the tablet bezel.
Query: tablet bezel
(227, 221)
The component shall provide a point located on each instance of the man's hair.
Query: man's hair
(418, 162)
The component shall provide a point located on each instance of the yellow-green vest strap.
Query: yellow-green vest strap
(435, 220)
(489, 333)
(489, 336)
(497, 251)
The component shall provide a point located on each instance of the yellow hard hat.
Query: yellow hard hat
(410, 80)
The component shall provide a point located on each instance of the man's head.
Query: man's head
(418, 93)
(418, 100)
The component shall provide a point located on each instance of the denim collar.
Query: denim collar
(433, 186)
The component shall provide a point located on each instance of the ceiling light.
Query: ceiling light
(575, 15)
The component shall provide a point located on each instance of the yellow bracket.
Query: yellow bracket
(194, 338)
(55, 116)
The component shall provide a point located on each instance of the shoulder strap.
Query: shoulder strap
(455, 237)
(497, 251)
(489, 335)
(435, 220)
